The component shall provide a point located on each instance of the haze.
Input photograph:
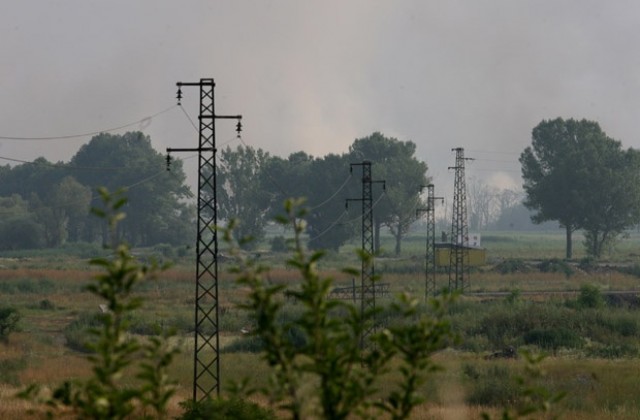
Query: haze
(314, 76)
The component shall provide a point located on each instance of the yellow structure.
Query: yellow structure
(477, 256)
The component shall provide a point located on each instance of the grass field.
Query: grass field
(601, 374)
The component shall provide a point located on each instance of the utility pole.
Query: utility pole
(430, 254)
(459, 252)
(206, 357)
(367, 289)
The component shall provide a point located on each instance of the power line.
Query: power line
(344, 184)
(145, 120)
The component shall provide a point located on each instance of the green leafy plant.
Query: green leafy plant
(326, 372)
(106, 394)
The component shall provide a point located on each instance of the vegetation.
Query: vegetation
(331, 350)
(253, 184)
(46, 204)
(106, 394)
(575, 174)
(9, 318)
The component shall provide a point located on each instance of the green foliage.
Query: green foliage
(553, 338)
(78, 334)
(18, 226)
(575, 174)
(241, 190)
(107, 394)
(512, 266)
(556, 265)
(590, 297)
(321, 370)
(9, 318)
(395, 162)
(10, 370)
(233, 408)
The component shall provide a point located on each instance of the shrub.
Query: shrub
(556, 265)
(590, 297)
(323, 364)
(109, 393)
(9, 318)
(553, 338)
(46, 305)
(512, 266)
(77, 332)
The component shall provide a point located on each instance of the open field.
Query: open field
(597, 364)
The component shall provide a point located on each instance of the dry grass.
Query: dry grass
(598, 389)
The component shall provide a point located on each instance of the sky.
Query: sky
(314, 76)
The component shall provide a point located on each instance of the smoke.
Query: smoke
(314, 76)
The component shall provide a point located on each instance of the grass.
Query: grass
(602, 376)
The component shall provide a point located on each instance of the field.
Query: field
(592, 345)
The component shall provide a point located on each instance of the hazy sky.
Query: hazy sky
(315, 75)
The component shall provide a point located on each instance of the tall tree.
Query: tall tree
(155, 207)
(240, 191)
(328, 224)
(613, 203)
(395, 162)
(18, 226)
(61, 209)
(573, 174)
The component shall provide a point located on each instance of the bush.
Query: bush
(512, 266)
(590, 297)
(553, 338)
(46, 305)
(77, 334)
(556, 265)
(9, 318)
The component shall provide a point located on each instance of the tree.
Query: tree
(156, 211)
(575, 174)
(18, 226)
(64, 206)
(328, 226)
(396, 164)
(614, 200)
(241, 193)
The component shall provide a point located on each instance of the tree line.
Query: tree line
(46, 204)
(253, 184)
(573, 174)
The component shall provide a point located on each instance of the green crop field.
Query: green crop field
(591, 338)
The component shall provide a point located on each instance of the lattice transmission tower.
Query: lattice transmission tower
(430, 287)
(459, 252)
(367, 287)
(206, 356)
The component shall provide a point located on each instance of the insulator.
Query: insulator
(239, 128)
(168, 162)
(179, 95)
